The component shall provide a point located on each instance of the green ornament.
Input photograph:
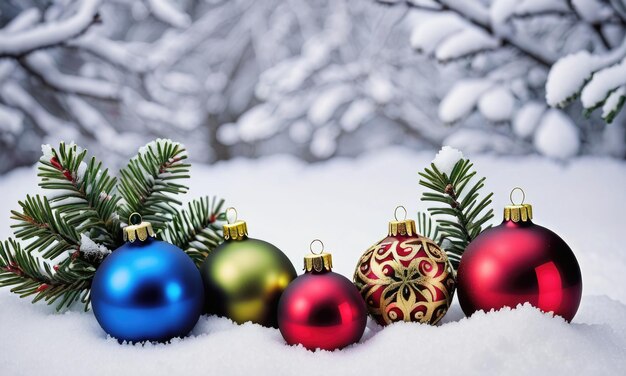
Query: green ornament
(244, 277)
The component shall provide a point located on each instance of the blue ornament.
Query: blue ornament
(147, 290)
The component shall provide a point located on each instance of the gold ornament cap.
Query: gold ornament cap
(138, 229)
(318, 262)
(235, 230)
(518, 212)
(402, 227)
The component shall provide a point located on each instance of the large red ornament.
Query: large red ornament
(518, 262)
(405, 277)
(321, 309)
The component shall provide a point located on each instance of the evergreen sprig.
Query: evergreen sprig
(62, 284)
(83, 192)
(196, 229)
(148, 183)
(84, 203)
(50, 234)
(461, 213)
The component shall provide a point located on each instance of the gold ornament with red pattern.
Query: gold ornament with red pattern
(405, 277)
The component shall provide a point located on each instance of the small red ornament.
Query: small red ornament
(405, 277)
(321, 309)
(519, 262)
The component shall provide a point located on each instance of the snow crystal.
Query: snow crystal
(602, 83)
(89, 246)
(557, 136)
(466, 42)
(461, 99)
(427, 35)
(324, 107)
(613, 101)
(497, 104)
(359, 112)
(446, 158)
(527, 119)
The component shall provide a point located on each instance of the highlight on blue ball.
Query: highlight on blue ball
(147, 291)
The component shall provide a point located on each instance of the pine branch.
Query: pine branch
(64, 284)
(461, 212)
(82, 192)
(50, 234)
(147, 184)
(196, 229)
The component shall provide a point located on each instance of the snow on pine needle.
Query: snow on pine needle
(460, 211)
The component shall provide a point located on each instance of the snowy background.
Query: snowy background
(316, 79)
(321, 113)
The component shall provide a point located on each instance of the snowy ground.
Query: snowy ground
(347, 204)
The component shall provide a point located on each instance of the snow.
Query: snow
(89, 246)
(557, 136)
(44, 66)
(446, 158)
(324, 107)
(46, 152)
(461, 99)
(429, 33)
(501, 10)
(530, 7)
(50, 33)
(359, 112)
(497, 104)
(527, 119)
(567, 76)
(319, 198)
(11, 121)
(167, 12)
(467, 42)
(602, 83)
(257, 124)
(592, 11)
(613, 101)
(324, 141)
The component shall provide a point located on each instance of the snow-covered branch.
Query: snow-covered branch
(42, 66)
(16, 44)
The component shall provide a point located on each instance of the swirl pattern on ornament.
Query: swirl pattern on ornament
(405, 278)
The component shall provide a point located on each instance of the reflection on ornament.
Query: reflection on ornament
(146, 290)
(519, 262)
(321, 309)
(244, 277)
(405, 277)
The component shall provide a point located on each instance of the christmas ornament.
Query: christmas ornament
(321, 309)
(405, 277)
(146, 290)
(244, 277)
(518, 262)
